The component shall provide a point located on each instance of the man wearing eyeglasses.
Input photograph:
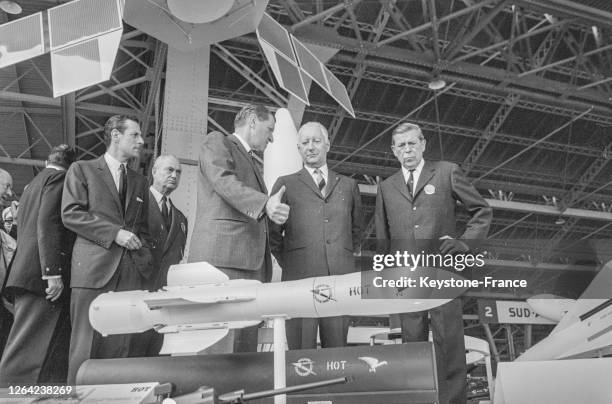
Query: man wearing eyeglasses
(415, 212)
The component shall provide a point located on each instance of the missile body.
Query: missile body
(215, 304)
(589, 337)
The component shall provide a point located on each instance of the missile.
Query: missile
(551, 307)
(586, 328)
(588, 337)
(200, 303)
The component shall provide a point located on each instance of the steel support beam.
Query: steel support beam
(489, 133)
(69, 119)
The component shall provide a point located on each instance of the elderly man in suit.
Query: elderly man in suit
(168, 229)
(39, 273)
(231, 228)
(105, 204)
(321, 235)
(415, 211)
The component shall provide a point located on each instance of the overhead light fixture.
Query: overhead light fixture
(10, 7)
(560, 221)
(436, 83)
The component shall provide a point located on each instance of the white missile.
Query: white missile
(551, 307)
(200, 304)
(585, 330)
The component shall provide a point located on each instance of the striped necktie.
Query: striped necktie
(320, 180)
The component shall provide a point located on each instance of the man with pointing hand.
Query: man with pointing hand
(105, 203)
(231, 226)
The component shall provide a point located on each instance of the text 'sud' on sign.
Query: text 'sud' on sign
(508, 312)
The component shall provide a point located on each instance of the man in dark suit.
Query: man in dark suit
(105, 204)
(321, 235)
(40, 269)
(415, 211)
(168, 229)
(231, 230)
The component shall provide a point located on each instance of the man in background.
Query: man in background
(231, 229)
(168, 229)
(6, 250)
(37, 347)
(105, 203)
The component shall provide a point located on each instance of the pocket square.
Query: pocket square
(138, 199)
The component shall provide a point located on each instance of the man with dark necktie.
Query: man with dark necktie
(415, 212)
(168, 229)
(105, 204)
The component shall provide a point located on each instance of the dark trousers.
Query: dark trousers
(146, 344)
(242, 339)
(449, 345)
(302, 332)
(37, 346)
(6, 321)
(87, 343)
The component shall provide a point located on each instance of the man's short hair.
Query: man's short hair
(162, 157)
(62, 155)
(315, 125)
(118, 122)
(406, 127)
(259, 110)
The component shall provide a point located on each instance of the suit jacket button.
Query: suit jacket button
(328, 241)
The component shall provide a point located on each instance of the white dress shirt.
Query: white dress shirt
(113, 165)
(244, 143)
(158, 198)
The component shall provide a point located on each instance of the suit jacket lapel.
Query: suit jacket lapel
(307, 179)
(398, 181)
(157, 221)
(332, 181)
(260, 179)
(110, 182)
(174, 227)
(428, 171)
(131, 176)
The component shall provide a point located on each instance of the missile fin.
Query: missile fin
(191, 342)
(194, 273)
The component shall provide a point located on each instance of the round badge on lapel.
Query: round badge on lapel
(430, 189)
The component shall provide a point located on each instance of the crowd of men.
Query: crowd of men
(88, 227)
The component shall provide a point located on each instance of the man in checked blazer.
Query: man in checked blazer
(231, 227)
(415, 211)
(322, 234)
(105, 203)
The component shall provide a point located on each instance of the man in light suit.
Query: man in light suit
(321, 235)
(168, 229)
(105, 204)
(37, 347)
(415, 211)
(231, 230)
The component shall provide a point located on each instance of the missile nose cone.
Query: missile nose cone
(119, 313)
